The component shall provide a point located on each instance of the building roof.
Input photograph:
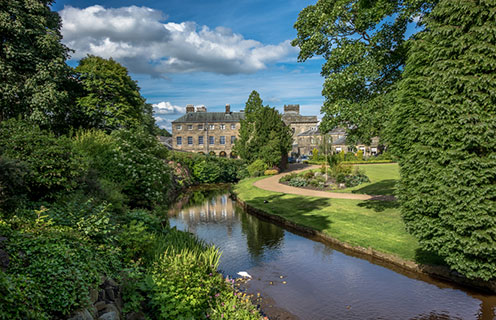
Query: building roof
(337, 131)
(297, 118)
(311, 132)
(211, 117)
(340, 141)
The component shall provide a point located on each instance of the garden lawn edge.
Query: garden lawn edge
(391, 261)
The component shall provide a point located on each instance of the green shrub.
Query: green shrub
(53, 163)
(288, 177)
(54, 267)
(298, 182)
(359, 155)
(13, 188)
(270, 172)
(132, 161)
(443, 129)
(308, 174)
(257, 167)
(206, 172)
(356, 178)
(350, 156)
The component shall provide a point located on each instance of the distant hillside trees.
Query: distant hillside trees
(263, 134)
(444, 131)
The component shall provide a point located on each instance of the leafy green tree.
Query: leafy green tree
(263, 134)
(363, 44)
(443, 131)
(35, 81)
(112, 99)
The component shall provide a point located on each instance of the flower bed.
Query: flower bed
(338, 177)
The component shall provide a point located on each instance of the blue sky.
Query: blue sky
(198, 52)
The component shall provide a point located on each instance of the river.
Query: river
(300, 278)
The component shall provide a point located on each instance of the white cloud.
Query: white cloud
(166, 107)
(137, 37)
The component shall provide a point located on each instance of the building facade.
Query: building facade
(312, 138)
(298, 124)
(205, 132)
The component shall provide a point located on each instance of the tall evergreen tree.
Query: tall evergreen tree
(444, 131)
(34, 79)
(263, 134)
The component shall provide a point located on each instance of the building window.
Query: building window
(338, 149)
(190, 127)
(200, 140)
(179, 141)
(233, 139)
(222, 127)
(190, 140)
(200, 127)
(211, 140)
(222, 140)
(179, 127)
(233, 126)
(211, 127)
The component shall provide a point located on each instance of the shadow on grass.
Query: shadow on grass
(384, 187)
(296, 209)
(379, 205)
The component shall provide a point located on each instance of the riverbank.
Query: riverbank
(369, 227)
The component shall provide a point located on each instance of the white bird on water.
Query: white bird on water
(244, 274)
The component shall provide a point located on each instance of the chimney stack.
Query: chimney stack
(292, 108)
(201, 109)
(190, 108)
(228, 108)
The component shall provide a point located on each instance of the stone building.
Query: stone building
(298, 124)
(312, 138)
(207, 132)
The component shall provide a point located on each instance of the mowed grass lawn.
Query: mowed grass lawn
(383, 178)
(375, 224)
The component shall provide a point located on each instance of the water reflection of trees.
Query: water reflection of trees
(260, 235)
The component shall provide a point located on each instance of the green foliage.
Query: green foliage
(51, 267)
(350, 156)
(443, 131)
(270, 172)
(111, 99)
(13, 187)
(263, 134)
(359, 155)
(54, 165)
(206, 171)
(356, 178)
(132, 160)
(35, 81)
(298, 182)
(257, 168)
(229, 170)
(364, 46)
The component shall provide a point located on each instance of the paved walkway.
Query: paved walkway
(272, 184)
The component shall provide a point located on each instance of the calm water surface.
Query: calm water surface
(320, 281)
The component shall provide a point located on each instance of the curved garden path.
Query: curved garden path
(272, 184)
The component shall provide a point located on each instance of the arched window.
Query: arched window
(222, 154)
(212, 153)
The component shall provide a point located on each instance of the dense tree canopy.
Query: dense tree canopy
(112, 99)
(363, 44)
(35, 81)
(263, 134)
(444, 131)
